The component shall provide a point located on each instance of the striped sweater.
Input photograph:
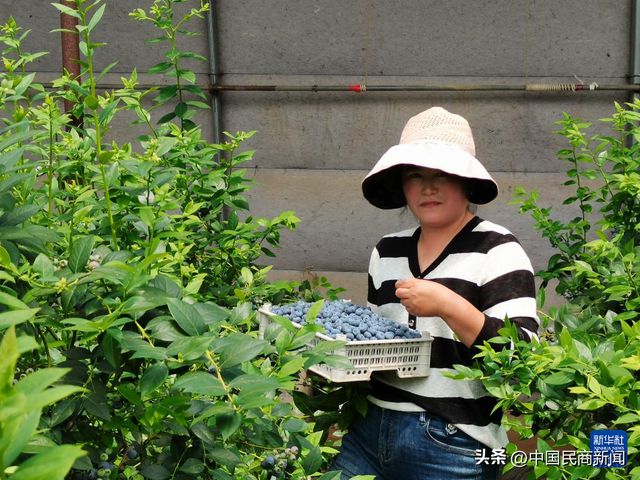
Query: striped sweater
(485, 264)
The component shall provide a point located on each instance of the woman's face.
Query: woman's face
(435, 198)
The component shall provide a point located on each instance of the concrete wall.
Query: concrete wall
(313, 149)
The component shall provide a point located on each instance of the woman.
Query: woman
(458, 277)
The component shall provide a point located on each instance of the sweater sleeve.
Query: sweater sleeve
(508, 291)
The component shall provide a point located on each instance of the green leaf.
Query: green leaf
(192, 466)
(142, 348)
(186, 75)
(187, 317)
(312, 461)
(191, 348)
(63, 410)
(40, 379)
(19, 214)
(91, 102)
(228, 424)
(72, 12)
(53, 464)
(295, 425)
(591, 404)
(292, 367)
(152, 378)
(314, 310)
(44, 266)
(627, 418)
(16, 434)
(130, 393)
(301, 339)
(224, 456)
(250, 382)
(160, 67)
(163, 328)
(12, 302)
(96, 17)
(335, 475)
(251, 400)
(181, 109)
(237, 348)
(166, 118)
(165, 94)
(559, 378)
(15, 317)
(156, 472)
(246, 276)
(96, 404)
(14, 138)
(200, 382)
(204, 433)
(80, 253)
(24, 83)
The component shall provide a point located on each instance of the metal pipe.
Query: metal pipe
(361, 88)
(216, 116)
(213, 70)
(70, 51)
(386, 88)
(634, 77)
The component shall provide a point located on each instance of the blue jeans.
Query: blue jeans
(409, 446)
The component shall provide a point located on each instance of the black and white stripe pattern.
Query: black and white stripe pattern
(486, 265)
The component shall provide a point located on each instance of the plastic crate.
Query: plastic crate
(407, 357)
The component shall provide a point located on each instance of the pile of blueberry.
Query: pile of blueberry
(343, 317)
(279, 461)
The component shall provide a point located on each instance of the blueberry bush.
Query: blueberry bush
(584, 372)
(130, 274)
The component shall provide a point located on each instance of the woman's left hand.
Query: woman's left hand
(422, 298)
(426, 298)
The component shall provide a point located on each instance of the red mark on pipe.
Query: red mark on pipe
(355, 88)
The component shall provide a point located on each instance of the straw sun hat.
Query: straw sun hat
(435, 139)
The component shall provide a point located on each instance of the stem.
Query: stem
(151, 227)
(575, 164)
(214, 364)
(172, 39)
(144, 333)
(98, 137)
(46, 346)
(51, 158)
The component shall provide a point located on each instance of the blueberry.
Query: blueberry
(132, 453)
(93, 474)
(268, 463)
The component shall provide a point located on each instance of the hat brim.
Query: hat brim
(382, 187)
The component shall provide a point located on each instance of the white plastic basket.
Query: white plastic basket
(408, 357)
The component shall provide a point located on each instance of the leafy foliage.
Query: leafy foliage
(135, 267)
(583, 373)
(22, 399)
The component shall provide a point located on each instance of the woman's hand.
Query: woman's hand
(425, 298)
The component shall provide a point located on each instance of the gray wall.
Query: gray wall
(314, 148)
